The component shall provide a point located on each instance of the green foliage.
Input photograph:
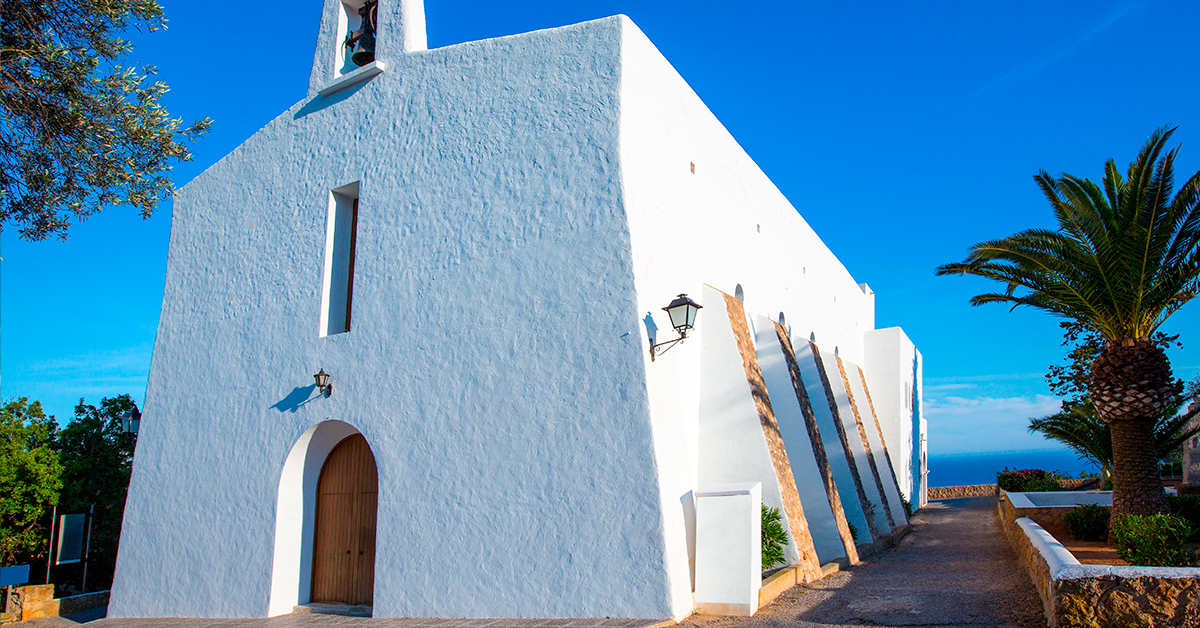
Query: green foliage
(853, 531)
(1077, 425)
(1087, 522)
(1124, 255)
(907, 507)
(1153, 540)
(29, 479)
(1029, 480)
(1186, 506)
(81, 130)
(97, 458)
(774, 537)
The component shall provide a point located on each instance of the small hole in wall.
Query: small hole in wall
(803, 270)
(693, 164)
(759, 227)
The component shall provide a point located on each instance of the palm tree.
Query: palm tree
(1124, 258)
(1078, 428)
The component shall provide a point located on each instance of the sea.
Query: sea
(981, 468)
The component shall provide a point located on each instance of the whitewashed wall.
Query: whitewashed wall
(845, 417)
(732, 446)
(527, 205)
(879, 454)
(494, 364)
(776, 375)
(893, 369)
(839, 462)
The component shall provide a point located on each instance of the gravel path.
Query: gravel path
(953, 569)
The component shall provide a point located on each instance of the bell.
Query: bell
(364, 49)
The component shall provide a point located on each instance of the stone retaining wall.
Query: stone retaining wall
(1100, 596)
(983, 490)
(956, 492)
(37, 600)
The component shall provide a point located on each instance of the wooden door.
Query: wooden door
(344, 532)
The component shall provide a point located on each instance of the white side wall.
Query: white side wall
(778, 378)
(726, 223)
(732, 446)
(878, 453)
(845, 415)
(839, 463)
(893, 369)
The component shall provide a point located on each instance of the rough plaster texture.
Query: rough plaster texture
(490, 436)
(827, 523)
(526, 205)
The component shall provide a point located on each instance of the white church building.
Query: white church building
(475, 245)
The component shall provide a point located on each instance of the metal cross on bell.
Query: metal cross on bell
(363, 39)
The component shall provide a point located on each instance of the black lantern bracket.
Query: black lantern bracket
(324, 386)
(683, 312)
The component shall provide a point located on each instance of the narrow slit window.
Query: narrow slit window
(341, 237)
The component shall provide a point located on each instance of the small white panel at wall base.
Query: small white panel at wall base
(728, 548)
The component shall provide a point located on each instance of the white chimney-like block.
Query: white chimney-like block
(728, 548)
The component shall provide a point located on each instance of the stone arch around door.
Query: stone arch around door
(296, 515)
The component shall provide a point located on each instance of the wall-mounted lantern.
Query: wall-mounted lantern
(131, 420)
(683, 317)
(323, 385)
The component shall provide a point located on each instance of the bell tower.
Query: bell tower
(376, 31)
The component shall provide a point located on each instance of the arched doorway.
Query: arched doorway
(343, 560)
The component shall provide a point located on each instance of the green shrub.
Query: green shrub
(853, 531)
(1029, 480)
(774, 537)
(1153, 541)
(907, 507)
(1088, 522)
(1188, 507)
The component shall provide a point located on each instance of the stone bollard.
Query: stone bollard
(728, 549)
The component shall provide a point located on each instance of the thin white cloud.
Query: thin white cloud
(962, 424)
(1067, 49)
(59, 383)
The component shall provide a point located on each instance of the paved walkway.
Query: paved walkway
(953, 569)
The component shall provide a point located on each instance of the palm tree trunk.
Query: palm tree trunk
(1137, 487)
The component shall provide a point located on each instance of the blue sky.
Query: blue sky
(902, 132)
